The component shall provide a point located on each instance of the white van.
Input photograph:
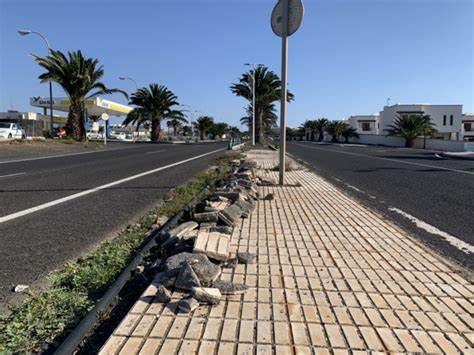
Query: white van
(9, 130)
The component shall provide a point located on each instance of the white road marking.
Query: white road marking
(98, 188)
(16, 174)
(459, 244)
(355, 188)
(393, 159)
(63, 155)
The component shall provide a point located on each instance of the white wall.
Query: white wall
(434, 144)
(356, 123)
(436, 112)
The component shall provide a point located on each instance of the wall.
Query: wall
(436, 112)
(434, 144)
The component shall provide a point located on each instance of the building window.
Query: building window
(468, 127)
(451, 120)
(366, 126)
(444, 120)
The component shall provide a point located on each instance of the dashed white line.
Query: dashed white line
(457, 243)
(98, 188)
(16, 174)
(391, 159)
(63, 155)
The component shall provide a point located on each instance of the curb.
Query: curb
(83, 328)
(457, 157)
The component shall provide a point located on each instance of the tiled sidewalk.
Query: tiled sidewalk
(331, 276)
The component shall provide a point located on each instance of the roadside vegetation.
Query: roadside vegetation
(45, 316)
(410, 127)
(80, 78)
(267, 92)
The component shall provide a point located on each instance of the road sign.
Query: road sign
(104, 116)
(295, 17)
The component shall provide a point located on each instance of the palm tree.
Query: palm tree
(335, 129)
(218, 129)
(267, 91)
(411, 126)
(80, 79)
(269, 117)
(176, 123)
(307, 127)
(349, 132)
(204, 123)
(153, 104)
(320, 125)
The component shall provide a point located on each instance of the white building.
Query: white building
(447, 119)
(467, 127)
(365, 124)
(35, 124)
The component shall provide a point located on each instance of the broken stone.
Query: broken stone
(229, 194)
(169, 282)
(246, 258)
(207, 225)
(246, 207)
(221, 229)
(229, 288)
(21, 288)
(188, 304)
(182, 229)
(207, 295)
(187, 278)
(230, 263)
(190, 235)
(206, 271)
(230, 215)
(269, 197)
(162, 295)
(211, 209)
(206, 217)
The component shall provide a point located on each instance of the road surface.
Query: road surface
(429, 195)
(55, 209)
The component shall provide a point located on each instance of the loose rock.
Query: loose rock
(187, 278)
(246, 258)
(206, 217)
(21, 288)
(188, 304)
(207, 295)
(163, 295)
(230, 215)
(221, 229)
(229, 288)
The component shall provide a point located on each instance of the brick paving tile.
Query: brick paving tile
(331, 276)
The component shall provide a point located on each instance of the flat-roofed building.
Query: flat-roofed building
(446, 118)
(365, 124)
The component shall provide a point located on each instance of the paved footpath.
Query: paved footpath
(331, 277)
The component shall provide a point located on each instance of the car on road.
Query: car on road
(10, 130)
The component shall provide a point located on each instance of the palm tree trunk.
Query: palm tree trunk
(155, 130)
(75, 122)
(321, 136)
(409, 142)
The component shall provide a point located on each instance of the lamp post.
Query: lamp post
(25, 33)
(131, 79)
(254, 67)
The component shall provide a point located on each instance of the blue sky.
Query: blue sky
(347, 58)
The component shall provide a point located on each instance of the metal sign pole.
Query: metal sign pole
(284, 58)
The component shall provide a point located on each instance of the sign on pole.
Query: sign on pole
(105, 118)
(287, 16)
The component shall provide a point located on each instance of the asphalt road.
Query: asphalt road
(44, 222)
(431, 196)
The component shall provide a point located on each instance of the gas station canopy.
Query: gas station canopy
(94, 106)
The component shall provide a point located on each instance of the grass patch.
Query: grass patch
(43, 317)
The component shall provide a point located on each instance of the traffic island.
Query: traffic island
(329, 275)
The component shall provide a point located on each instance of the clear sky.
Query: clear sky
(348, 57)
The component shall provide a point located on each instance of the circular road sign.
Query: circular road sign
(295, 17)
(104, 116)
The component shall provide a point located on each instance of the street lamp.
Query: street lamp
(254, 66)
(28, 32)
(131, 79)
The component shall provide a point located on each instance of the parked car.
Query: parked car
(9, 130)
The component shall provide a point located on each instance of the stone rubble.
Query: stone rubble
(198, 249)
